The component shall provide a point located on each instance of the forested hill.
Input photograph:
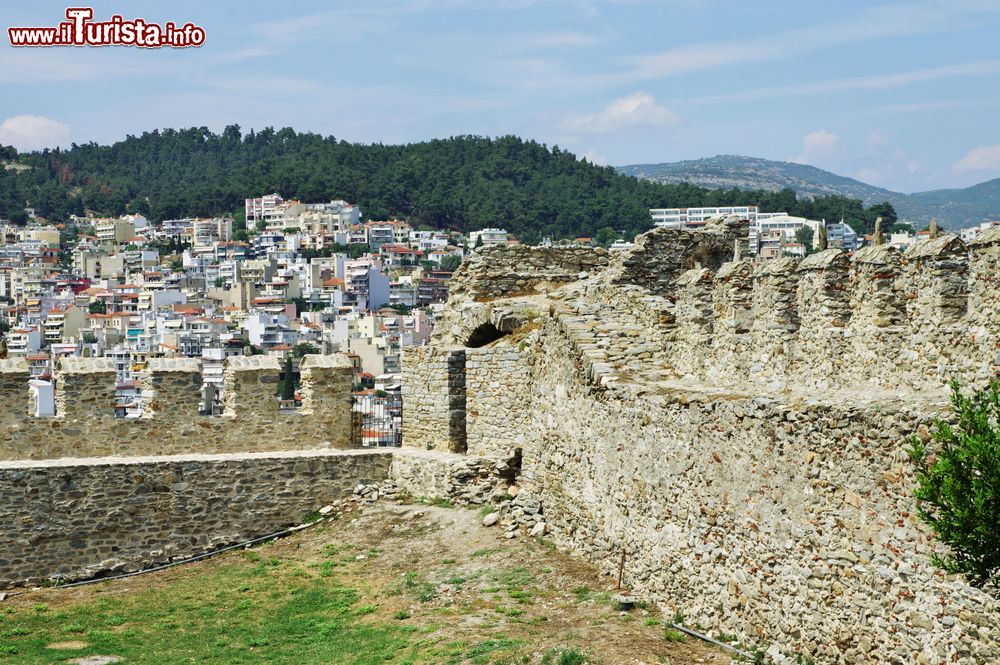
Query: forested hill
(465, 182)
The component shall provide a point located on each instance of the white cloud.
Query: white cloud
(875, 82)
(983, 158)
(33, 132)
(877, 139)
(874, 23)
(637, 109)
(560, 40)
(594, 157)
(817, 146)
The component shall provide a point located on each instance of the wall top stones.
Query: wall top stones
(990, 236)
(317, 361)
(944, 245)
(783, 266)
(16, 365)
(74, 365)
(885, 255)
(505, 270)
(161, 365)
(252, 363)
(828, 258)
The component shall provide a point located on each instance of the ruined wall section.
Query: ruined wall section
(661, 255)
(85, 424)
(907, 321)
(70, 519)
(434, 398)
(789, 521)
(502, 271)
(497, 383)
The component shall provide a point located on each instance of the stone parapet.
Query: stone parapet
(85, 422)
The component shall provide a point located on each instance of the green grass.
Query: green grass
(674, 635)
(564, 657)
(251, 611)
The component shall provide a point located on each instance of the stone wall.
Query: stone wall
(434, 398)
(78, 518)
(500, 271)
(497, 384)
(461, 479)
(85, 426)
(908, 322)
(787, 521)
(661, 255)
(740, 432)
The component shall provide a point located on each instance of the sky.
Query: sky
(903, 95)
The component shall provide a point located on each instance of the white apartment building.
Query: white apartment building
(969, 234)
(258, 209)
(680, 218)
(488, 237)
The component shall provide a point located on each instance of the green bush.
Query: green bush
(958, 485)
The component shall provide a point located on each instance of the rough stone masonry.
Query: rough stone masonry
(739, 432)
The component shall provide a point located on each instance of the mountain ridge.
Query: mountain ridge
(953, 208)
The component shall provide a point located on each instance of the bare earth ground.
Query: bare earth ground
(390, 584)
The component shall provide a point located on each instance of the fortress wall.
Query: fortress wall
(497, 384)
(661, 255)
(434, 398)
(498, 271)
(898, 321)
(732, 299)
(789, 522)
(85, 426)
(14, 389)
(77, 518)
(775, 319)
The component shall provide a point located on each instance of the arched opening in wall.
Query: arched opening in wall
(483, 335)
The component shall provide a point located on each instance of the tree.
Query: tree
(304, 349)
(804, 235)
(958, 485)
(89, 338)
(98, 307)
(288, 381)
(451, 262)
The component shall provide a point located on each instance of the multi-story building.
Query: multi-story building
(258, 209)
(488, 237)
(969, 234)
(113, 231)
(679, 218)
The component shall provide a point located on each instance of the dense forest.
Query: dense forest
(463, 183)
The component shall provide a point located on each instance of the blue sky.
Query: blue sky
(904, 95)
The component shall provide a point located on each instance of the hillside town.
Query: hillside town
(288, 279)
(285, 278)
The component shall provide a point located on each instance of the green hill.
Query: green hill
(464, 182)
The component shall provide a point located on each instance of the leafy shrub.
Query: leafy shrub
(958, 486)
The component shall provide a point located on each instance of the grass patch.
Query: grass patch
(564, 657)
(250, 611)
(674, 635)
(483, 652)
